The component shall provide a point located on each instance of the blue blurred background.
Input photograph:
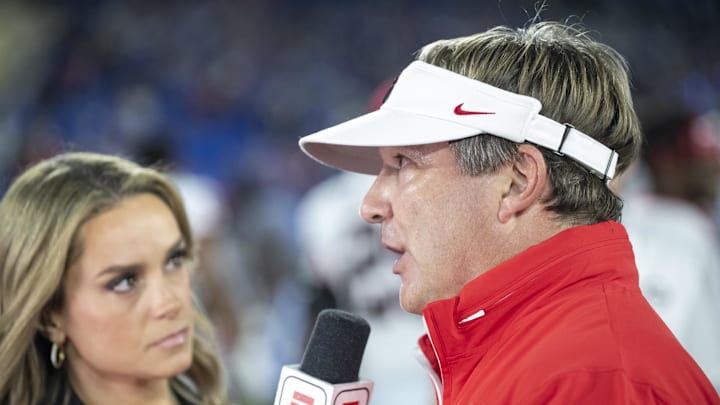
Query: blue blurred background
(220, 91)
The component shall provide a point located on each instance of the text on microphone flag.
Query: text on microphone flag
(304, 399)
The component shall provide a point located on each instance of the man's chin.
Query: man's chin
(410, 304)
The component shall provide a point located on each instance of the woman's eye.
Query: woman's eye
(123, 284)
(177, 260)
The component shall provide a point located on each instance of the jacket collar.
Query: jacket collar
(583, 254)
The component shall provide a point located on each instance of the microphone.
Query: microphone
(329, 371)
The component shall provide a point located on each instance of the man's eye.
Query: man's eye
(123, 284)
(400, 161)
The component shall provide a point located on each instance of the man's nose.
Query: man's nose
(376, 207)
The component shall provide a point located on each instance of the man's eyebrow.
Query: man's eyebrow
(419, 153)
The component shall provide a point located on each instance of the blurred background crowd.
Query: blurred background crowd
(220, 91)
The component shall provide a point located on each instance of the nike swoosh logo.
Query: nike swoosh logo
(459, 111)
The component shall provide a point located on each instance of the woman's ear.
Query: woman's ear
(53, 326)
(529, 180)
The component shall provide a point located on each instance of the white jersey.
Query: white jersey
(677, 254)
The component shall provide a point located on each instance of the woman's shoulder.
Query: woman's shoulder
(72, 399)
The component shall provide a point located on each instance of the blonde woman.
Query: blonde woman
(95, 299)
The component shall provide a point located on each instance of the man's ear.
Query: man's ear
(528, 182)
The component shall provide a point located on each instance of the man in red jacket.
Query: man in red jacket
(493, 155)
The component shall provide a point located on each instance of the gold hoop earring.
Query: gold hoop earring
(57, 355)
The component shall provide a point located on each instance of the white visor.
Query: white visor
(429, 104)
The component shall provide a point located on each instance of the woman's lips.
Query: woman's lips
(176, 339)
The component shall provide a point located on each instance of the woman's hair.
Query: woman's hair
(578, 81)
(40, 216)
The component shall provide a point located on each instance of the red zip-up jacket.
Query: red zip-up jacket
(563, 322)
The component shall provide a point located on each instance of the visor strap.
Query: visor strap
(611, 164)
(565, 134)
(565, 140)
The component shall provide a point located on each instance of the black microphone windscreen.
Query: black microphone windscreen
(336, 346)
